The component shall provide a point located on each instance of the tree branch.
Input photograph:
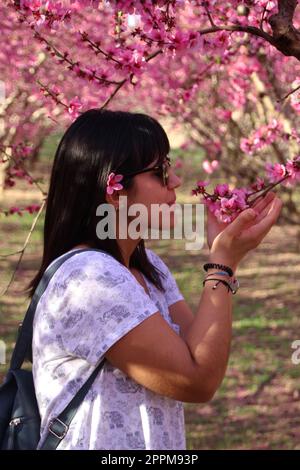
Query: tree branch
(288, 94)
(286, 37)
(107, 101)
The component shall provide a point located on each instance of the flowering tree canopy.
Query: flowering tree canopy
(229, 71)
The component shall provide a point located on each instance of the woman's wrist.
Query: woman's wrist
(222, 260)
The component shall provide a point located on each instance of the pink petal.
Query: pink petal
(207, 167)
(110, 177)
(118, 178)
(117, 186)
(215, 164)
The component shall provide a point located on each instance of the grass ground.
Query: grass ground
(258, 404)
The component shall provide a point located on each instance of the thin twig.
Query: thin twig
(154, 54)
(150, 57)
(115, 92)
(267, 189)
(52, 94)
(64, 58)
(95, 46)
(288, 94)
(11, 254)
(24, 247)
(214, 29)
(239, 28)
(263, 17)
(209, 15)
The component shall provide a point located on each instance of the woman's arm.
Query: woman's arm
(191, 368)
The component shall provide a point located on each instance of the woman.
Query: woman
(124, 305)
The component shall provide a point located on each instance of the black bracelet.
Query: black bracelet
(219, 280)
(208, 266)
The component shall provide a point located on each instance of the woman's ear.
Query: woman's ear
(113, 199)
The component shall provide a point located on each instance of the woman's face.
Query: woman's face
(149, 190)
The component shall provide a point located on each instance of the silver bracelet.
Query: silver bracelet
(233, 285)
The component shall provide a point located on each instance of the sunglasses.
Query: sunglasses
(161, 169)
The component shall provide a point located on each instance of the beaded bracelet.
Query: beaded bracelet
(207, 266)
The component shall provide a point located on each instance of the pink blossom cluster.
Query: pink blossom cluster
(226, 203)
(15, 172)
(31, 209)
(19, 151)
(262, 137)
(180, 59)
(48, 13)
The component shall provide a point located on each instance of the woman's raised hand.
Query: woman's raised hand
(229, 243)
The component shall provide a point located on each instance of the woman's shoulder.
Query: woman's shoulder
(99, 266)
(87, 266)
(86, 257)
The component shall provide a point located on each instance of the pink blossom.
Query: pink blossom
(113, 183)
(17, 172)
(202, 184)
(258, 185)
(275, 172)
(261, 137)
(295, 97)
(15, 210)
(293, 168)
(32, 208)
(32, 4)
(189, 77)
(157, 35)
(210, 167)
(221, 190)
(294, 135)
(213, 206)
(228, 209)
(221, 40)
(223, 114)
(240, 196)
(74, 106)
(200, 189)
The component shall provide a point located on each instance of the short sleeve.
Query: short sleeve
(172, 292)
(96, 301)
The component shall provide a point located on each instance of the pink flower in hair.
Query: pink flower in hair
(113, 183)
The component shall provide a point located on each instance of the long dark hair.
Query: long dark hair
(97, 143)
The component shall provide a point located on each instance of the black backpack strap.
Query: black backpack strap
(24, 341)
(59, 426)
